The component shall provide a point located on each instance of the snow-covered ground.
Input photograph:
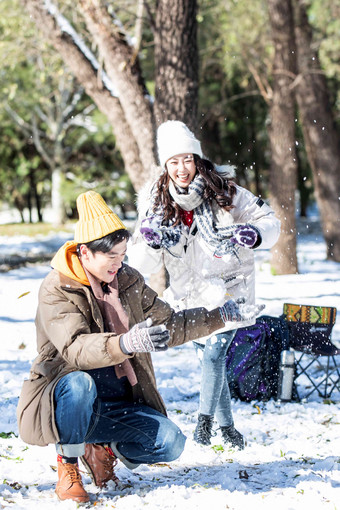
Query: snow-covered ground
(292, 457)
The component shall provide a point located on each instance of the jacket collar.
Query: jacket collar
(126, 277)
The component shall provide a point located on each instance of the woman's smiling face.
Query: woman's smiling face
(181, 169)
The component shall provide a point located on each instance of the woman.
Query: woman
(204, 228)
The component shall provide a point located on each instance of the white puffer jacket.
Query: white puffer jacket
(197, 277)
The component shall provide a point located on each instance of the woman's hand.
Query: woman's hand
(158, 236)
(151, 232)
(246, 236)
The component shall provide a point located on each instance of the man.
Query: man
(92, 388)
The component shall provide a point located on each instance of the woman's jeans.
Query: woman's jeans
(141, 434)
(214, 393)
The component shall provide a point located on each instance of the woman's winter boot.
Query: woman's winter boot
(232, 436)
(202, 432)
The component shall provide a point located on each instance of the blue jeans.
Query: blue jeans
(142, 434)
(214, 392)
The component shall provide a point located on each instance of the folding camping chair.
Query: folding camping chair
(317, 359)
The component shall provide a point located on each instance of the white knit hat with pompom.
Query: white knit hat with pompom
(173, 138)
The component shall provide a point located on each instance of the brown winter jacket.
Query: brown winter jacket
(70, 336)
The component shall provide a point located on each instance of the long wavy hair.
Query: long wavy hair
(216, 188)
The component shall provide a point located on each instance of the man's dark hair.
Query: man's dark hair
(106, 243)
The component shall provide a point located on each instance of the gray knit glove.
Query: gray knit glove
(230, 311)
(144, 338)
(249, 312)
(237, 311)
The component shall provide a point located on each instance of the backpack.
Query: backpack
(253, 359)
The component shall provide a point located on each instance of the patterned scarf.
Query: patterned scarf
(190, 199)
(115, 318)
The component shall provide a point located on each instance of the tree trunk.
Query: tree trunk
(130, 113)
(35, 194)
(176, 62)
(282, 136)
(176, 75)
(29, 206)
(57, 202)
(124, 71)
(88, 76)
(321, 138)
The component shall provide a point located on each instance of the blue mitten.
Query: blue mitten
(171, 236)
(246, 236)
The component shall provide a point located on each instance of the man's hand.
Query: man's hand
(237, 311)
(230, 311)
(145, 338)
(250, 311)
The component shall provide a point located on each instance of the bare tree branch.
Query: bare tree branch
(71, 105)
(265, 89)
(21, 123)
(150, 15)
(138, 30)
(41, 114)
(38, 145)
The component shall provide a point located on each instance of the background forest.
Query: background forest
(84, 86)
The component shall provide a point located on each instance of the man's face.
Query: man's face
(104, 266)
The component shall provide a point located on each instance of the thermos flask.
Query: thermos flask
(286, 376)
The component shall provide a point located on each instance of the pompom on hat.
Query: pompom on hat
(174, 137)
(96, 219)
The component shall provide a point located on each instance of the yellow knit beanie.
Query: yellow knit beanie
(96, 219)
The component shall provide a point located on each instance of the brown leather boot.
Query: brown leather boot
(70, 485)
(100, 462)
